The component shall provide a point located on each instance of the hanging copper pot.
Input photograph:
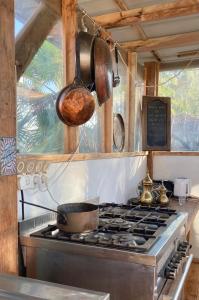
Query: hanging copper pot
(75, 104)
(103, 70)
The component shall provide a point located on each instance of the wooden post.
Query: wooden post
(8, 184)
(132, 74)
(151, 73)
(69, 20)
(108, 125)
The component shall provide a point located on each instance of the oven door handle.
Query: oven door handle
(181, 282)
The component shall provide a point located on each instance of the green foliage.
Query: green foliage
(38, 128)
(183, 88)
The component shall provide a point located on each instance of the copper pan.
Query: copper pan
(75, 105)
(103, 70)
(74, 217)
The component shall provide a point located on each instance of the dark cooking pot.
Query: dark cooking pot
(74, 217)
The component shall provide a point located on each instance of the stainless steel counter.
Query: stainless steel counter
(15, 288)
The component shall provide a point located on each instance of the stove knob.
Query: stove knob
(172, 265)
(170, 273)
(175, 259)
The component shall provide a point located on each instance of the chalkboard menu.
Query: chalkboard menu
(156, 123)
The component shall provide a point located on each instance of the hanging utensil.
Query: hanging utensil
(84, 55)
(74, 217)
(118, 132)
(116, 78)
(75, 105)
(103, 70)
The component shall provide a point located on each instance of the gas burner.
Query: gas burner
(112, 212)
(127, 227)
(79, 237)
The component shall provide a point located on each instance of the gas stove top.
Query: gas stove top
(128, 227)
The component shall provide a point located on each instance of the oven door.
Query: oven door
(173, 289)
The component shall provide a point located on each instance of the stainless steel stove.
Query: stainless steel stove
(137, 252)
(133, 228)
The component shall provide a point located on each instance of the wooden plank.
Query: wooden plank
(151, 78)
(153, 13)
(150, 163)
(108, 125)
(122, 6)
(175, 153)
(31, 37)
(8, 186)
(79, 157)
(170, 41)
(191, 289)
(69, 21)
(151, 74)
(180, 64)
(132, 64)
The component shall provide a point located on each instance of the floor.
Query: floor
(191, 291)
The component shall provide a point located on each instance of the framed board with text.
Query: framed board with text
(156, 123)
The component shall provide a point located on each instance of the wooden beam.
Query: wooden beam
(179, 65)
(122, 6)
(170, 41)
(151, 74)
(78, 157)
(132, 65)
(194, 53)
(69, 21)
(8, 184)
(31, 37)
(108, 125)
(150, 13)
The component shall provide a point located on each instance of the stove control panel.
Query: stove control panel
(176, 260)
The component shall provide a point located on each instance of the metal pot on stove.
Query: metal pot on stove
(74, 217)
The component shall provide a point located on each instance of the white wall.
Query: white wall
(170, 167)
(113, 180)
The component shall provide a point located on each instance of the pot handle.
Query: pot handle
(62, 220)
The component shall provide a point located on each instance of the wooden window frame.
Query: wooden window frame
(71, 134)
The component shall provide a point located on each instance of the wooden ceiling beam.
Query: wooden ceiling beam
(171, 41)
(122, 6)
(150, 13)
(31, 37)
(185, 64)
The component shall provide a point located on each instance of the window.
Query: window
(91, 132)
(24, 9)
(38, 127)
(183, 88)
(120, 97)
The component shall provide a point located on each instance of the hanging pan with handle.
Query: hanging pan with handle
(84, 56)
(74, 217)
(75, 105)
(116, 78)
(103, 70)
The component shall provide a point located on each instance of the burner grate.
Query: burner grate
(126, 227)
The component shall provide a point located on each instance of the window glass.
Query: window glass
(120, 94)
(24, 9)
(183, 88)
(91, 133)
(38, 127)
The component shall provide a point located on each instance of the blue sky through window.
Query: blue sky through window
(18, 26)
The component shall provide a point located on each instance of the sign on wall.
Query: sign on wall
(156, 123)
(8, 156)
